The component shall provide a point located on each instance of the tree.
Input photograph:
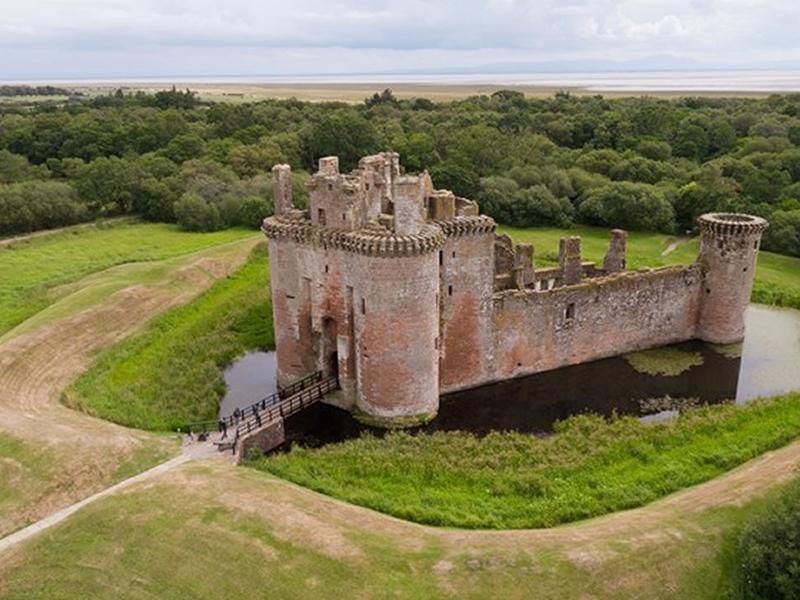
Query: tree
(629, 206)
(496, 197)
(195, 213)
(783, 234)
(109, 184)
(385, 97)
(537, 206)
(14, 167)
(343, 133)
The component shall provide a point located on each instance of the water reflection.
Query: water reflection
(250, 378)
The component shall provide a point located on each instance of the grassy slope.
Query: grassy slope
(35, 273)
(238, 535)
(171, 373)
(507, 480)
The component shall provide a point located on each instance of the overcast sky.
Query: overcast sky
(137, 38)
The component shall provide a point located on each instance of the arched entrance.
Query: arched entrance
(329, 353)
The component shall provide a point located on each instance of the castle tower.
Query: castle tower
(355, 290)
(728, 249)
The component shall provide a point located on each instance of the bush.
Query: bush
(769, 550)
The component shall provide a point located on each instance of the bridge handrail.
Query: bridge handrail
(232, 420)
(285, 408)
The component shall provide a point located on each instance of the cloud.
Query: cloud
(109, 35)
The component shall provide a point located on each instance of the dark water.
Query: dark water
(769, 364)
(249, 379)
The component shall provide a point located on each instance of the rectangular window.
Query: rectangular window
(326, 268)
(321, 216)
(436, 343)
(363, 306)
(441, 257)
(449, 290)
(569, 313)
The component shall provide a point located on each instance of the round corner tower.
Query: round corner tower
(729, 246)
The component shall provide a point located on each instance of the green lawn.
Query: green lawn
(35, 273)
(590, 467)
(238, 534)
(171, 374)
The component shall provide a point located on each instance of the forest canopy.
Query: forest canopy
(636, 163)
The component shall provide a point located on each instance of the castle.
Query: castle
(406, 292)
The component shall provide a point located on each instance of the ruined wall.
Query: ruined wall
(539, 331)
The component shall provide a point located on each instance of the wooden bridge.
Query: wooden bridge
(260, 425)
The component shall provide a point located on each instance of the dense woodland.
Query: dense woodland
(636, 163)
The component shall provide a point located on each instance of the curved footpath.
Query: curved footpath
(68, 455)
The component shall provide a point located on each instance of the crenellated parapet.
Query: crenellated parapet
(374, 241)
(731, 224)
(475, 225)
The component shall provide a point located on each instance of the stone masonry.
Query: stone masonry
(406, 292)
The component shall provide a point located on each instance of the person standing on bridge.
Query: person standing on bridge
(223, 428)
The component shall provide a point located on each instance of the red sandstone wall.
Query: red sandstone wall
(396, 357)
(467, 282)
(631, 311)
(291, 309)
(387, 356)
(729, 264)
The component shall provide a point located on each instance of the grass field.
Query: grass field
(171, 374)
(508, 480)
(217, 532)
(36, 272)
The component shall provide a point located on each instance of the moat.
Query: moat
(764, 365)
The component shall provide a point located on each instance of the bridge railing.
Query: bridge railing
(287, 407)
(233, 419)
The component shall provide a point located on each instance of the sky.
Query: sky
(84, 39)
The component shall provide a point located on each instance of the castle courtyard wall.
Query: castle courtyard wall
(534, 331)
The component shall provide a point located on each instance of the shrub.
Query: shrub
(769, 550)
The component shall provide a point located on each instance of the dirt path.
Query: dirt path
(35, 368)
(675, 244)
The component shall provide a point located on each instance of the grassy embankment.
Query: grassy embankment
(36, 273)
(171, 374)
(211, 531)
(507, 480)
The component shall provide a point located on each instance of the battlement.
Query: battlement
(405, 292)
(731, 224)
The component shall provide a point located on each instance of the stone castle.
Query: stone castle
(406, 292)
